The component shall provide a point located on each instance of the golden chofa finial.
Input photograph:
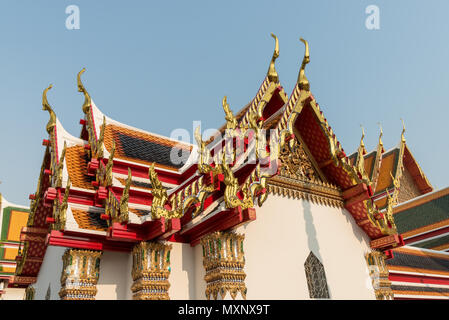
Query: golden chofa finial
(87, 100)
(272, 73)
(46, 106)
(302, 80)
(403, 131)
(362, 144)
(231, 122)
(380, 135)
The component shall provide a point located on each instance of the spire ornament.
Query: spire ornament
(381, 145)
(231, 121)
(272, 73)
(403, 131)
(87, 100)
(302, 80)
(46, 106)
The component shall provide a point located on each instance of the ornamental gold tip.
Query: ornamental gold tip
(45, 103)
(80, 84)
(272, 73)
(302, 80)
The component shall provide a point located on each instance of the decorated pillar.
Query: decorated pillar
(29, 293)
(151, 269)
(223, 260)
(81, 270)
(379, 274)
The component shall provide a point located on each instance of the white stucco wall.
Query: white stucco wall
(50, 274)
(115, 278)
(13, 294)
(279, 241)
(182, 276)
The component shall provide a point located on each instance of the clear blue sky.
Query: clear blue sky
(159, 65)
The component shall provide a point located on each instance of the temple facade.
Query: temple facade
(270, 207)
(12, 218)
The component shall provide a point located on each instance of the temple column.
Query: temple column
(224, 260)
(379, 274)
(81, 270)
(151, 269)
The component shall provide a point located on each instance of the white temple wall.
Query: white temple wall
(50, 274)
(115, 278)
(279, 241)
(200, 287)
(182, 276)
(13, 294)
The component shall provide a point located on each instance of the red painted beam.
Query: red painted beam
(427, 235)
(417, 278)
(58, 238)
(222, 221)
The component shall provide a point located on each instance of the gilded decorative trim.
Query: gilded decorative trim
(379, 274)
(151, 269)
(224, 260)
(80, 273)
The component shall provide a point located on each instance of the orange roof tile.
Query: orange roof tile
(89, 220)
(76, 160)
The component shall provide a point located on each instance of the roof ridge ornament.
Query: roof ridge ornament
(362, 144)
(231, 121)
(87, 100)
(46, 106)
(272, 73)
(403, 131)
(302, 80)
(380, 136)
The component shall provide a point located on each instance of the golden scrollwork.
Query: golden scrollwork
(58, 167)
(124, 215)
(60, 209)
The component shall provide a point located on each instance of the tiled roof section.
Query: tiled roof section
(387, 168)
(442, 291)
(422, 215)
(409, 260)
(145, 148)
(140, 212)
(89, 220)
(76, 159)
(433, 243)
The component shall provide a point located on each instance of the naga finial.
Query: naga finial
(362, 144)
(272, 73)
(46, 106)
(302, 80)
(380, 135)
(230, 119)
(87, 100)
(403, 131)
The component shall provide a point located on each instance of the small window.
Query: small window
(316, 278)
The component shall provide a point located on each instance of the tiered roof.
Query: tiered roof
(117, 185)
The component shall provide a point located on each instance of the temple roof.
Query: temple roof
(425, 215)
